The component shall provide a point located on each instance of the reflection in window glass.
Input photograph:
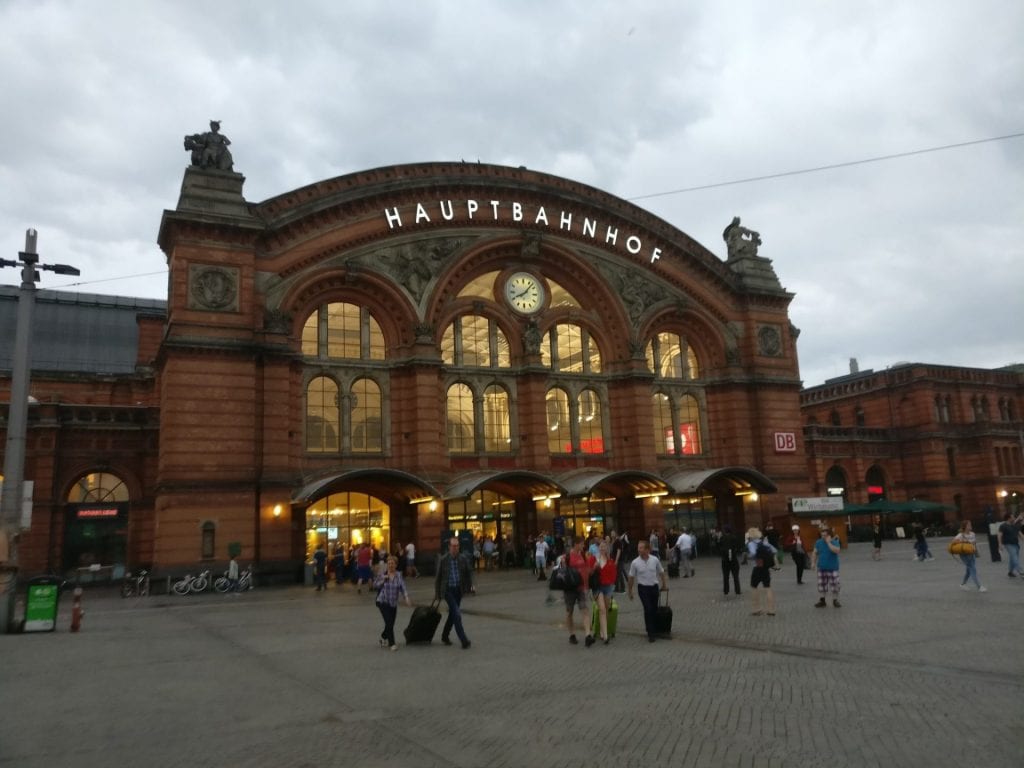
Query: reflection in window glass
(460, 419)
(497, 433)
(670, 358)
(559, 431)
(689, 425)
(322, 415)
(589, 417)
(664, 434)
(367, 417)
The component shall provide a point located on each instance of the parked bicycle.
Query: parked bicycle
(190, 583)
(223, 583)
(135, 586)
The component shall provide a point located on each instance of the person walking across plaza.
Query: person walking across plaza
(364, 566)
(607, 572)
(390, 586)
(233, 575)
(876, 541)
(761, 551)
(541, 549)
(410, 561)
(454, 579)
(794, 544)
(826, 561)
(730, 550)
(645, 573)
(577, 560)
(968, 546)
(1009, 539)
(684, 546)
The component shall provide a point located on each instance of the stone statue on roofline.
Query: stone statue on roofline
(740, 241)
(210, 149)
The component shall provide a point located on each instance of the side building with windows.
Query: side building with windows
(914, 431)
(402, 353)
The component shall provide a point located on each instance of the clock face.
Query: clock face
(524, 292)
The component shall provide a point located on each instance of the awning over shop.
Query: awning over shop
(580, 482)
(740, 479)
(509, 482)
(383, 483)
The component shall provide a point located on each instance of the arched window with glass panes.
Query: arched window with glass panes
(478, 424)
(475, 341)
(675, 406)
(575, 422)
(349, 419)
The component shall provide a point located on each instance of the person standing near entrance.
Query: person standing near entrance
(390, 586)
(541, 556)
(410, 561)
(364, 571)
(876, 540)
(730, 549)
(320, 568)
(645, 572)
(454, 578)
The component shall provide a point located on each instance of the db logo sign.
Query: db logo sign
(785, 442)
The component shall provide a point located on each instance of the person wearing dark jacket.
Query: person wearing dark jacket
(454, 579)
(731, 550)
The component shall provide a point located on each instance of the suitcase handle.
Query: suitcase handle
(663, 597)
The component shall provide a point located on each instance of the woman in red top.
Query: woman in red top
(606, 569)
(577, 560)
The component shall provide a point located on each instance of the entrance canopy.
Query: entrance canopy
(510, 482)
(739, 479)
(580, 482)
(382, 483)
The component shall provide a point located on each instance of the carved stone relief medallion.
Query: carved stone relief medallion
(213, 289)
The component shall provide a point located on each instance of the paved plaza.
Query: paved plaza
(911, 671)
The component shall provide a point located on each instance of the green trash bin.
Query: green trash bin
(41, 604)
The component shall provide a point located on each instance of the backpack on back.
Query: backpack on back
(764, 555)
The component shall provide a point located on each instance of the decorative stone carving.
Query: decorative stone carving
(416, 264)
(210, 149)
(424, 333)
(794, 332)
(638, 294)
(276, 321)
(532, 338)
(769, 341)
(732, 355)
(213, 288)
(740, 241)
(531, 245)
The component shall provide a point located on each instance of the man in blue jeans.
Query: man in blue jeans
(1009, 537)
(454, 579)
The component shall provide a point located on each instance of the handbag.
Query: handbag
(960, 547)
(594, 581)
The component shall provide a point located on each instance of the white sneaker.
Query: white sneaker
(964, 587)
(982, 589)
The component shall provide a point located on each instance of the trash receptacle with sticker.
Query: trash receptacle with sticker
(41, 601)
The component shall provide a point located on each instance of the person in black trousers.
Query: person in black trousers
(730, 550)
(454, 579)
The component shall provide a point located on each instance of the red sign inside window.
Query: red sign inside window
(687, 436)
(876, 490)
(108, 512)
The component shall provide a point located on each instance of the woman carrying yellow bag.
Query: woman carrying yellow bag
(965, 546)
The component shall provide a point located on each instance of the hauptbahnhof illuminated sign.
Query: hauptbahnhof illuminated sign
(512, 211)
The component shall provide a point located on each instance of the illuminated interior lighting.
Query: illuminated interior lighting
(650, 494)
(421, 499)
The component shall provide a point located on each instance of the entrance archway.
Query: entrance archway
(96, 526)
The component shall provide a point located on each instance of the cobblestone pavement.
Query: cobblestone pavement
(911, 671)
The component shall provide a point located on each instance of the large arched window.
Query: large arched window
(669, 357)
(570, 349)
(677, 430)
(460, 420)
(588, 416)
(497, 429)
(98, 487)
(323, 416)
(559, 427)
(475, 341)
(342, 331)
(367, 417)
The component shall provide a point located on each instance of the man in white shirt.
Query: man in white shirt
(541, 557)
(410, 561)
(645, 572)
(684, 545)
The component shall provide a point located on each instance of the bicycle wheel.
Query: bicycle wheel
(222, 584)
(144, 588)
(200, 584)
(126, 589)
(181, 587)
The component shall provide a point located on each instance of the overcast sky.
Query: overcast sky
(919, 258)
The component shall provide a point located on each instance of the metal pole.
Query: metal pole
(17, 420)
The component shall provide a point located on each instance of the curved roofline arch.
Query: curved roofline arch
(465, 485)
(742, 478)
(325, 485)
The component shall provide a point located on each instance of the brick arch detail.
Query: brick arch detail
(78, 471)
(703, 334)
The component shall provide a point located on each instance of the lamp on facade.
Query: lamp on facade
(277, 510)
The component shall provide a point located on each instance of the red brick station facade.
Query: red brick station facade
(400, 352)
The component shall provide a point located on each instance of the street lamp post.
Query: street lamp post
(17, 421)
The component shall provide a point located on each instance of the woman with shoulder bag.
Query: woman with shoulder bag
(965, 546)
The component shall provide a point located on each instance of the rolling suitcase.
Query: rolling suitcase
(595, 618)
(423, 623)
(663, 616)
(673, 570)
